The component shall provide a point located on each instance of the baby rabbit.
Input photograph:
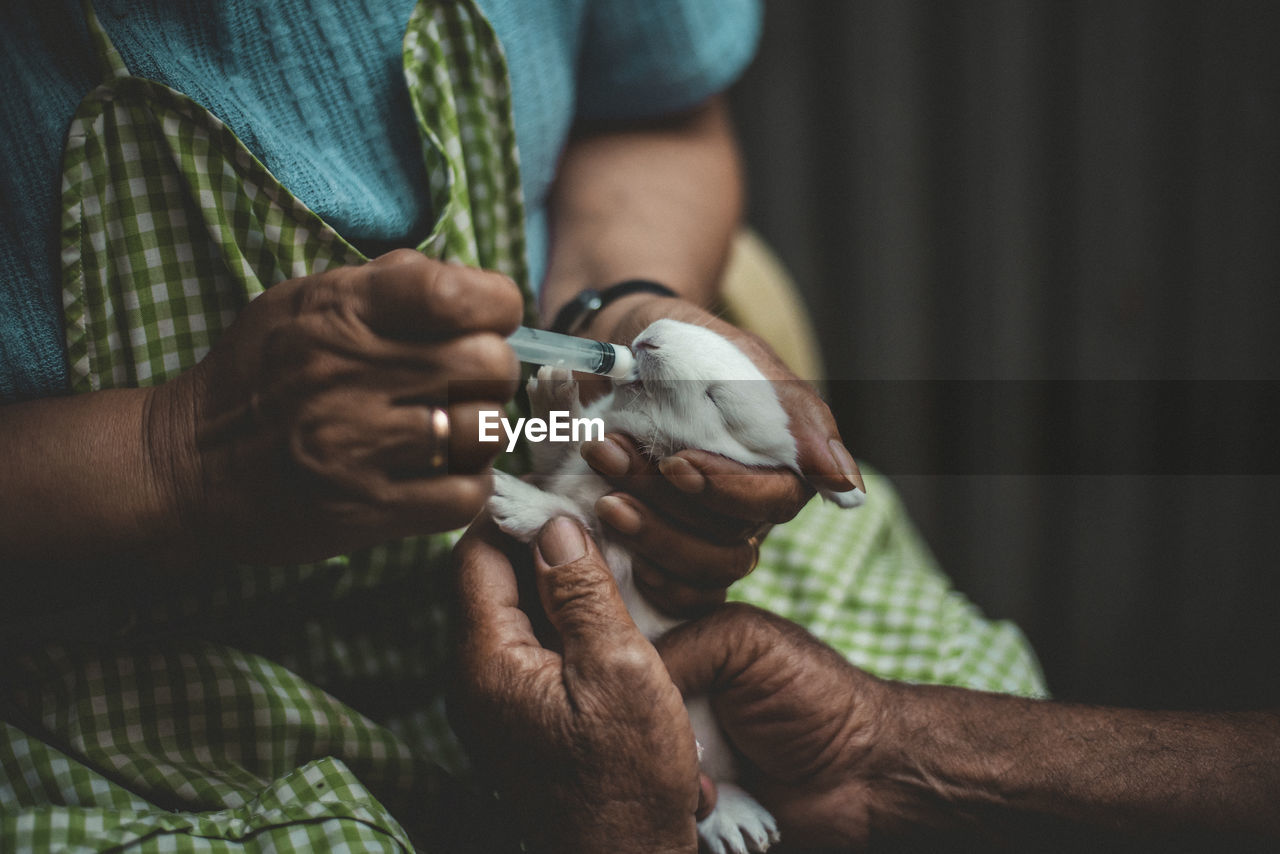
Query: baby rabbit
(693, 389)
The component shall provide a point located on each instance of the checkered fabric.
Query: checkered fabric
(864, 582)
(298, 709)
(171, 225)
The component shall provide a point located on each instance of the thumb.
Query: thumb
(821, 454)
(723, 651)
(824, 459)
(704, 655)
(580, 597)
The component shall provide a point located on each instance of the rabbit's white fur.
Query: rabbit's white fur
(694, 389)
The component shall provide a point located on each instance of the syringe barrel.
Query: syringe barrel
(540, 347)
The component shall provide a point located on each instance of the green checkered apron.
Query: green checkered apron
(223, 715)
(298, 708)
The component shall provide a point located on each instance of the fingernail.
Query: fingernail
(619, 514)
(683, 475)
(561, 542)
(845, 465)
(607, 457)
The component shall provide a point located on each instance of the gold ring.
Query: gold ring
(439, 439)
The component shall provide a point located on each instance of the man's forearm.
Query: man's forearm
(994, 757)
(659, 201)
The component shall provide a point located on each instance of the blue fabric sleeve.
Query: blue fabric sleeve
(646, 59)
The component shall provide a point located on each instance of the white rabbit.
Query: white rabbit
(693, 389)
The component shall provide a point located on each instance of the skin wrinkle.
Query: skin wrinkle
(443, 299)
(574, 714)
(688, 516)
(749, 659)
(591, 250)
(796, 397)
(681, 598)
(568, 600)
(782, 508)
(174, 488)
(825, 750)
(1033, 763)
(730, 561)
(688, 194)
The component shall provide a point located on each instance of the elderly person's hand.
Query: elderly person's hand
(312, 427)
(315, 425)
(696, 519)
(584, 735)
(805, 720)
(843, 759)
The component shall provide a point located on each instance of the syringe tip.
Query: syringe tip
(624, 363)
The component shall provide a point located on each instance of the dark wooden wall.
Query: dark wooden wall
(1042, 244)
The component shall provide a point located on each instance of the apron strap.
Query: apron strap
(110, 63)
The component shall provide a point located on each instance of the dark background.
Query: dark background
(1041, 241)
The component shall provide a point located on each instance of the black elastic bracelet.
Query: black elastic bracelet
(574, 314)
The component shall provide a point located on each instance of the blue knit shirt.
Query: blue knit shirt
(315, 89)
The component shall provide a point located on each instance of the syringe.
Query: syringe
(539, 347)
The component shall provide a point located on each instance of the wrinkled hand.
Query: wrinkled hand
(846, 761)
(307, 430)
(591, 746)
(806, 721)
(696, 518)
(690, 519)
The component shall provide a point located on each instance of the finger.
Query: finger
(703, 656)
(426, 505)
(350, 437)
(728, 487)
(405, 294)
(415, 441)
(820, 452)
(316, 353)
(628, 470)
(685, 557)
(487, 593)
(479, 366)
(418, 444)
(493, 637)
(617, 456)
(821, 455)
(582, 602)
(672, 597)
(467, 454)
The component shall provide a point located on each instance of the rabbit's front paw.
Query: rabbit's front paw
(738, 824)
(521, 509)
(553, 389)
